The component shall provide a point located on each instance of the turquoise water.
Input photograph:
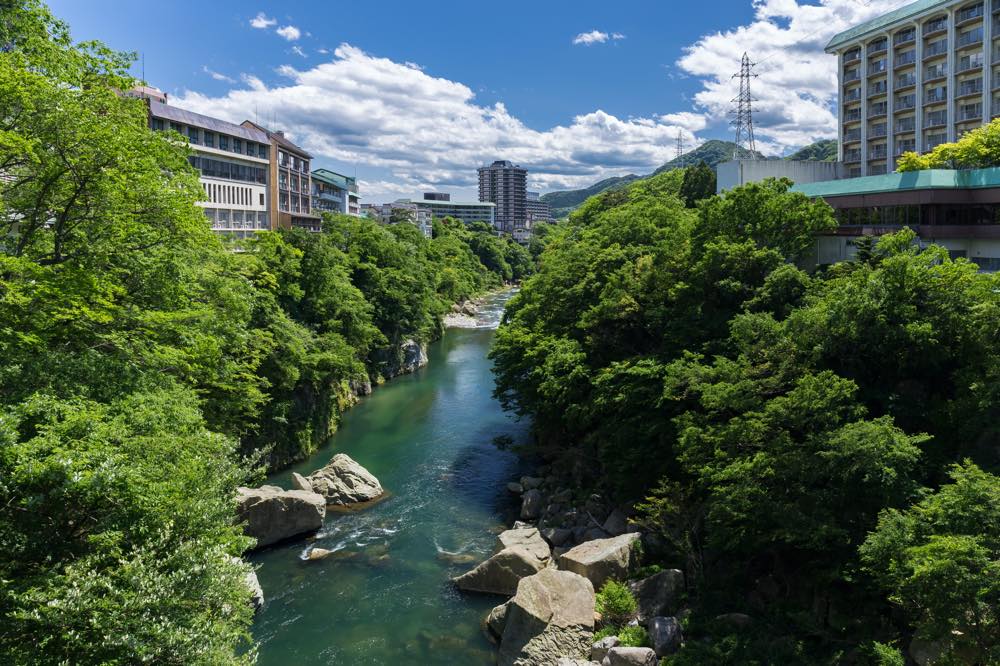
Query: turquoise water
(384, 597)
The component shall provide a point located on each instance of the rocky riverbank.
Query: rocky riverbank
(551, 564)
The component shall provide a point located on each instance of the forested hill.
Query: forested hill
(711, 152)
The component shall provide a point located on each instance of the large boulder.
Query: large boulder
(527, 538)
(343, 481)
(601, 559)
(599, 650)
(659, 594)
(497, 619)
(501, 573)
(630, 656)
(665, 635)
(271, 514)
(551, 616)
(414, 356)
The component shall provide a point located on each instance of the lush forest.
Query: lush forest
(815, 448)
(147, 368)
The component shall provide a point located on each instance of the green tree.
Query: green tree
(698, 184)
(976, 149)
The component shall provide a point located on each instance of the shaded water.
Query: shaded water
(384, 597)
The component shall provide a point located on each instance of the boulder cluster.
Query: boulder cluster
(550, 564)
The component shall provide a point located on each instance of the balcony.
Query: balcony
(935, 73)
(936, 96)
(904, 37)
(877, 67)
(850, 77)
(906, 125)
(905, 147)
(967, 88)
(973, 112)
(877, 110)
(878, 131)
(852, 116)
(935, 26)
(878, 46)
(852, 135)
(969, 13)
(906, 81)
(852, 95)
(969, 64)
(878, 153)
(879, 88)
(995, 108)
(939, 119)
(852, 155)
(934, 140)
(973, 36)
(904, 59)
(877, 170)
(852, 56)
(935, 49)
(905, 103)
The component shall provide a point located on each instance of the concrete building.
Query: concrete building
(914, 78)
(958, 210)
(334, 193)
(440, 205)
(291, 183)
(233, 161)
(537, 210)
(392, 213)
(505, 184)
(740, 172)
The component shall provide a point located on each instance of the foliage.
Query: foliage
(763, 417)
(712, 153)
(615, 603)
(633, 636)
(698, 184)
(566, 201)
(976, 149)
(824, 150)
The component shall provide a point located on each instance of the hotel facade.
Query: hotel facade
(915, 78)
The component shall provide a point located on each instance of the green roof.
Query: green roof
(929, 179)
(879, 23)
(334, 178)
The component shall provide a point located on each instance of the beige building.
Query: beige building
(291, 183)
(914, 78)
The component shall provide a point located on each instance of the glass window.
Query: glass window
(262, 151)
(237, 145)
(193, 134)
(158, 124)
(209, 139)
(223, 142)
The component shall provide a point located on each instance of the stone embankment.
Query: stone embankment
(551, 563)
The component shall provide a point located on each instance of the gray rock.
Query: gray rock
(343, 481)
(600, 649)
(271, 514)
(566, 661)
(496, 620)
(528, 538)
(551, 616)
(556, 536)
(520, 525)
(515, 488)
(360, 387)
(601, 559)
(501, 573)
(256, 592)
(300, 482)
(318, 554)
(414, 356)
(659, 594)
(630, 656)
(735, 620)
(665, 635)
(595, 533)
(531, 504)
(617, 523)
(531, 482)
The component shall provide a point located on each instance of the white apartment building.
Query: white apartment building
(914, 78)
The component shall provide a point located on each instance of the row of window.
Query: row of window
(231, 194)
(198, 136)
(293, 182)
(292, 162)
(221, 218)
(228, 170)
(293, 203)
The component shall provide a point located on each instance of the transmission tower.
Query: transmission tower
(743, 113)
(680, 145)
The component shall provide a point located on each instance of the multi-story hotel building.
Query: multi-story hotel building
(233, 162)
(440, 205)
(538, 210)
(505, 185)
(291, 183)
(335, 193)
(914, 78)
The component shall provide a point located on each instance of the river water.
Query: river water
(384, 597)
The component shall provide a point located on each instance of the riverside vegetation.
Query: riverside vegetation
(147, 369)
(816, 449)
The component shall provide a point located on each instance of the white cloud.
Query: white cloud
(261, 21)
(218, 76)
(289, 32)
(297, 50)
(428, 132)
(596, 37)
(797, 84)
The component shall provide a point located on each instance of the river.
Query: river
(384, 597)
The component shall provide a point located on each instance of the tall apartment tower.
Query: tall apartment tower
(916, 77)
(505, 185)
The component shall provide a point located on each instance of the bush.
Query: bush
(615, 603)
(634, 636)
(605, 632)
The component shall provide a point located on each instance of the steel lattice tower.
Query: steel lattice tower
(743, 113)
(680, 146)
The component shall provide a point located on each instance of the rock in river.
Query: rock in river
(272, 514)
(343, 481)
(522, 553)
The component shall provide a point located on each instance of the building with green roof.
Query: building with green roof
(916, 77)
(333, 192)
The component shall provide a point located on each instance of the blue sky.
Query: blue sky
(413, 96)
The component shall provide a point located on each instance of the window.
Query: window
(175, 127)
(261, 198)
(193, 134)
(209, 139)
(283, 201)
(158, 124)
(237, 145)
(262, 151)
(223, 142)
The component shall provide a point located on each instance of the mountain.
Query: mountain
(821, 151)
(711, 153)
(564, 201)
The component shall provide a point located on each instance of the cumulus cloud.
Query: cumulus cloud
(431, 132)
(289, 32)
(596, 37)
(218, 76)
(797, 85)
(261, 21)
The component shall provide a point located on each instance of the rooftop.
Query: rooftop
(879, 23)
(178, 115)
(336, 179)
(279, 138)
(451, 204)
(929, 179)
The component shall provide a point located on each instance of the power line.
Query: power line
(743, 113)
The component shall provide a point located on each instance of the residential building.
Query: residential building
(914, 78)
(334, 193)
(391, 213)
(505, 184)
(232, 161)
(958, 210)
(440, 205)
(537, 210)
(291, 183)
